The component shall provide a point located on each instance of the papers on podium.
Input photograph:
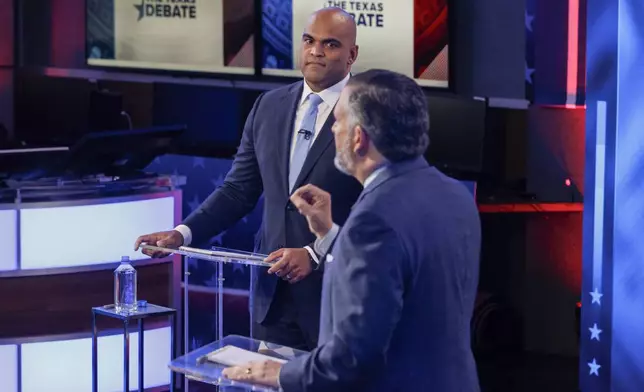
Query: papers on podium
(221, 255)
(207, 363)
(234, 356)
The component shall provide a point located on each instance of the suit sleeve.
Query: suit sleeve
(366, 298)
(239, 193)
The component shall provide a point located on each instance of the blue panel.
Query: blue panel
(277, 31)
(612, 336)
(628, 252)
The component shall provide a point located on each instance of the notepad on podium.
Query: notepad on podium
(222, 255)
(207, 363)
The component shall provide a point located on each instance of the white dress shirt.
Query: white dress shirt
(329, 97)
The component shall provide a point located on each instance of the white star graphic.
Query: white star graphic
(594, 368)
(212, 282)
(528, 21)
(218, 238)
(217, 182)
(194, 204)
(198, 161)
(528, 74)
(196, 343)
(238, 267)
(596, 297)
(594, 332)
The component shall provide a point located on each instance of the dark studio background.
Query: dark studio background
(505, 51)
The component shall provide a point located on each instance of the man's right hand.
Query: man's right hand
(315, 205)
(166, 239)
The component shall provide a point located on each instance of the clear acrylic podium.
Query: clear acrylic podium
(194, 366)
(220, 256)
(209, 373)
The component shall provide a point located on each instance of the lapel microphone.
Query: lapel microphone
(307, 134)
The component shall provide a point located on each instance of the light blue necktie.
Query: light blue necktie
(304, 139)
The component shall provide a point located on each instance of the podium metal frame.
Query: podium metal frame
(220, 256)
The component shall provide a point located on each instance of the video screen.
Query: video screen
(210, 36)
(403, 36)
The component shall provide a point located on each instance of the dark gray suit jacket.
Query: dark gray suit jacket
(261, 165)
(398, 290)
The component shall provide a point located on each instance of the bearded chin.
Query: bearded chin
(338, 165)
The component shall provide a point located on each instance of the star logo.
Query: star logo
(528, 21)
(218, 239)
(194, 204)
(217, 182)
(594, 332)
(238, 267)
(141, 9)
(528, 74)
(596, 297)
(594, 368)
(198, 162)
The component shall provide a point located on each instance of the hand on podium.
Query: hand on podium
(260, 372)
(293, 264)
(166, 239)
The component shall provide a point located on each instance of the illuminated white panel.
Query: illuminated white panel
(9, 368)
(66, 365)
(8, 245)
(92, 234)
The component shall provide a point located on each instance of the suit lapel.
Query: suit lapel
(290, 100)
(320, 145)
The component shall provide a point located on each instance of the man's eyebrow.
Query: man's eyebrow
(324, 41)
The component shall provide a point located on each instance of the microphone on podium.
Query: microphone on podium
(307, 134)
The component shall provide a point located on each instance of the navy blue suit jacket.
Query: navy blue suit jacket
(261, 165)
(399, 290)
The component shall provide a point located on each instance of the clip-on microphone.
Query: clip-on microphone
(307, 134)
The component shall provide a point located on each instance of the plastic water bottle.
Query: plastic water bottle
(125, 287)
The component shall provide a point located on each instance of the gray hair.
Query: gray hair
(392, 110)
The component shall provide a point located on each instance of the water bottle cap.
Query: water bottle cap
(125, 259)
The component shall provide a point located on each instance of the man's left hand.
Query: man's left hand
(293, 266)
(261, 372)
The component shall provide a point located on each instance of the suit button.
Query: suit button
(290, 207)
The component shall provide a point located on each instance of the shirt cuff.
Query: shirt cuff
(313, 255)
(323, 245)
(186, 233)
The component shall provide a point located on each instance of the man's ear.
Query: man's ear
(360, 141)
(354, 55)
